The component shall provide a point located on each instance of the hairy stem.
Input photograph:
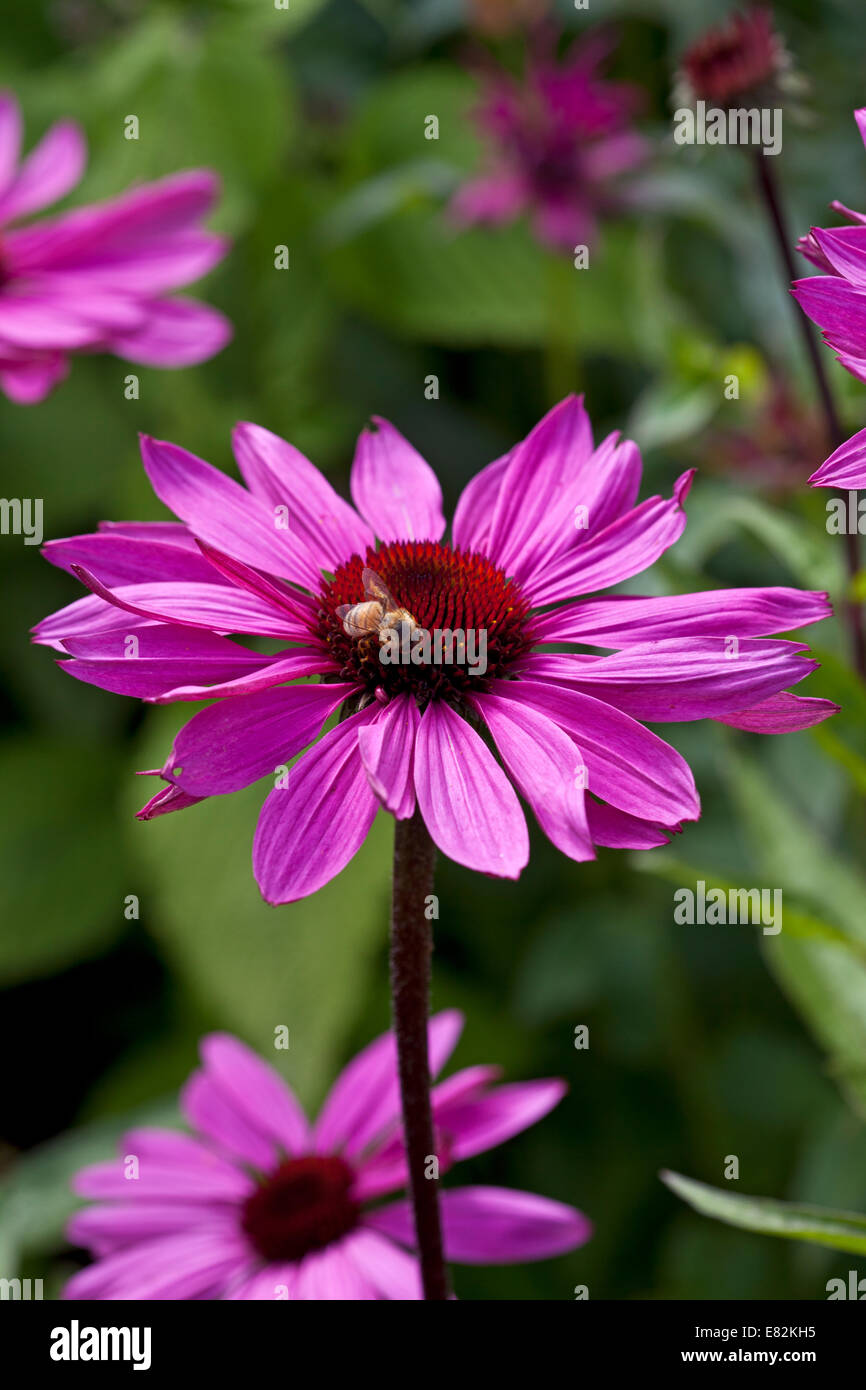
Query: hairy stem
(411, 951)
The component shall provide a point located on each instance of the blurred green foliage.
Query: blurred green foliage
(705, 1041)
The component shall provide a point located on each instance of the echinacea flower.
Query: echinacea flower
(558, 142)
(551, 522)
(741, 61)
(260, 1204)
(97, 279)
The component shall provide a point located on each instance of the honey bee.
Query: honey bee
(379, 613)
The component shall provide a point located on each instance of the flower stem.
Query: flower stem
(411, 951)
(835, 431)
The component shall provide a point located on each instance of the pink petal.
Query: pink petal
(175, 333)
(387, 748)
(232, 744)
(222, 513)
(618, 830)
(164, 656)
(467, 802)
(10, 139)
(177, 1267)
(628, 766)
(256, 1090)
(119, 559)
(48, 173)
(546, 767)
(394, 489)
(494, 1225)
(310, 829)
(846, 466)
(474, 513)
(626, 621)
(780, 714)
(681, 678)
(271, 671)
(364, 1101)
(393, 1273)
(624, 548)
(473, 1124)
(212, 1112)
(277, 472)
(332, 1275)
(104, 1229)
(28, 380)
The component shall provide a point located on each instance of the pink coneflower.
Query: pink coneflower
(738, 61)
(97, 279)
(260, 1204)
(558, 142)
(551, 522)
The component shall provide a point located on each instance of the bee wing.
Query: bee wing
(376, 588)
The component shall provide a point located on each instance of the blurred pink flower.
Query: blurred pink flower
(738, 61)
(557, 143)
(553, 520)
(96, 279)
(260, 1204)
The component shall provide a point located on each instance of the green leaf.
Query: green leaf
(838, 1230)
(305, 966)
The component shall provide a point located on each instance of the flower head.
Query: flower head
(260, 1204)
(97, 279)
(557, 143)
(431, 649)
(741, 61)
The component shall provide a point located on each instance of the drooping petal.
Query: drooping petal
(545, 765)
(235, 742)
(215, 607)
(780, 714)
(846, 466)
(175, 333)
(628, 766)
(467, 802)
(394, 488)
(312, 826)
(618, 830)
(28, 380)
(493, 1225)
(387, 748)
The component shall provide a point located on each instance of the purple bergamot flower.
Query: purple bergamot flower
(260, 1204)
(551, 522)
(557, 145)
(97, 279)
